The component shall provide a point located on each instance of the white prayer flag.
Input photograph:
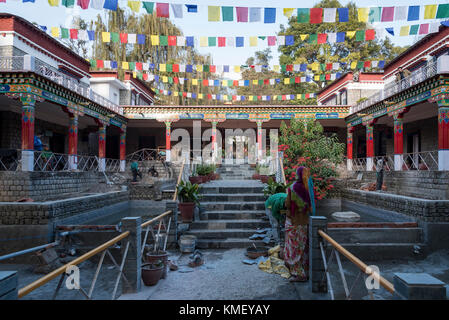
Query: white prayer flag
(132, 38)
(107, 64)
(272, 81)
(329, 14)
(254, 14)
(182, 68)
(281, 40)
(180, 41)
(400, 13)
(332, 37)
(211, 83)
(181, 80)
(241, 83)
(433, 27)
(230, 41)
(214, 97)
(82, 35)
(335, 66)
(296, 67)
(303, 79)
(333, 76)
(374, 64)
(97, 4)
(177, 10)
(219, 68)
(145, 66)
(189, 94)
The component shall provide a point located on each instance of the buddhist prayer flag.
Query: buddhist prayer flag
(154, 40)
(227, 13)
(111, 5)
(162, 10)
(362, 14)
(68, 3)
(387, 14)
(329, 14)
(430, 11)
(213, 13)
(350, 34)
(343, 14)
(239, 41)
(97, 4)
(313, 38)
(171, 40)
(414, 29)
(288, 12)
(404, 31)
(253, 41)
(400, 13)
(424, 28)
(192, 8)
(374, 14)
(303, 15)
(316, 15)
(149, 6)
(360, 35)
(255, 14)
(114, 37)
(269, 15)
(55, 32)
(212, 41)
(84, 4)
(64, 33)
(443, 11)
(413, 13)
(242, 14)
(106, 36)
(203, 41)
(271, 40)
(163, 40)
(125, 65)
(73, 33)
(322, 37)
(53, 3)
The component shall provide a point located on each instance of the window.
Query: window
(133, 99)
(344, 98)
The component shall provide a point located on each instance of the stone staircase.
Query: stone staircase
(232, 209)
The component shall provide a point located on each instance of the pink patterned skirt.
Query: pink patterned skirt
(296, 251)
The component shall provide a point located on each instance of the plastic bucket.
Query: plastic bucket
(187, 243)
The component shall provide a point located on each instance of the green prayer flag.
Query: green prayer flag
(260, 82)
(229, 96)
(170, 80)
(323, 66)
(360, 64)
(212, 41)
(360, 35)
(279, 97)
(374, 14)
(205, 68)
(93, 63)
(283, 68)
(443, 11)
(303, 96)
(68, 3)
(262, 37)
(149, 6)
(303, 15)
(230, 83)
(414, 29)
(64, 33)
(227, 13)
(114, 37)
(169, 68)
(322, 77)
(313, 38)
(140, 76)
(163, 40)
(132, 66)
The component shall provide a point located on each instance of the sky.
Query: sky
(197, 24)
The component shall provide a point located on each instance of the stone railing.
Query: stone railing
(30, 63)
(394, 87)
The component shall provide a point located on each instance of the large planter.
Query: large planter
(211, 176)
(186, 209)
(195, 180)
(256, 176)
(264, 179)
(151, 274)
(252, 165)
(217, 176)
(153, 257)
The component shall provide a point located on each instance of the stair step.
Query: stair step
(229, 224)
(210, 197)
(230, 205)
(378, 235)
(230, 190)
(232, 215)
(222, 234)
(228, 243)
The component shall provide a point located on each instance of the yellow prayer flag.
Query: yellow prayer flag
(255, 82)
(175, 93)
(165, 79)
(362, 14)
(162, 67)
(405, 30)
(303, 36)
(199, 67)
(315, 66)
(253, 41)
(316, 78)
(203, 41)
(288, 12)
(55, 32)
(106, 36)
(134, 5)
(200, 96)
(298, 96)
(286, 80)
(134, 74)
(430, 11)
(236, 69)
(125, 65)
(214, 13)
(53, 3)
(224, 83)
(155, 40)
(194, 82)
(225, 97)
(276, 68)
(350, 34)
(250, 98)
(353, 64)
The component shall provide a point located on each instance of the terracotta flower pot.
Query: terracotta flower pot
(204, 179)
(264, 179)
(253, 165)
(151, 274)
(186, 209)
(195, 180)
(256, 176)
(152, 257)
(211, 176)
(217, 176)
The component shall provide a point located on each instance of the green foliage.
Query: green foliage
(188, 192)
(274, 187)
(305, 144)
(205, 169)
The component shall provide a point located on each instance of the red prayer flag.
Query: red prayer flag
(289, 67)
(424, 28)
(328, 76)
(284, 97)
(184, 94)
(138, 65)
(297, 80)
(100, 64)
(212, 68)
(367, 64)
(234, 97)
(316, 15)
(266, 81)
(172, 40)
(162, 10)
(370, 34)
(271, 40)
(322, 37)
(235, 83)
(84, 4)
(329, 66)
(73, 33)
(209, 96)
(222, 41)
(175, 79)
(175, 68)
(387, 14)
(242, 14)
(205, 82)
(259, 97)
(145, 76)
(123, 37)
(307, 95)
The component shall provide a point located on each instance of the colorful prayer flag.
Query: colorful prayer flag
(374, 14)
(106, 36)
(213, 13)
(430, 11)
(413, 13)
(387, 14)
(343, 14)
(111, 5)
(362, 14)
(192, 8)
(303, 15)
(242, 14)
(443, 11)
(329, 15)
(227, 13)
(288, 12)
(149, 6)
(255, 14)
(269, 15)
(53, 3)
(316, 15)
(162, 10)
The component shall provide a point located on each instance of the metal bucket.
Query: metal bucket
(187, 243)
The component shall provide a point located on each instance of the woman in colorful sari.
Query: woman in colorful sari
(300, 204)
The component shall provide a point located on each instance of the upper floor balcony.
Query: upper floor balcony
(28, 63)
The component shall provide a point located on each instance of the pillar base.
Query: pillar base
(27, 160)
(443, 160)
(101, 164)
(369, 164)
(122, 165)
(349, 164)
(398, 162)
(168, 155)
(73, 162)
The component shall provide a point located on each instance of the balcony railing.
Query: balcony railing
(421, 161)
(394, 87)
(25, 63)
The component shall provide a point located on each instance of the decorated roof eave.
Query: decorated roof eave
(43, 83)
(233, 108)
(406, 98)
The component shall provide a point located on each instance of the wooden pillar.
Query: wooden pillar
(443, 137)
(349, 151)
(122, 149)
(167, 140)
(398, 141)
(73, 141)
(259, 140)
(369, 146)
(102, 147)
(28, 121)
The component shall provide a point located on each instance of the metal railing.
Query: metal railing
(394, 87)
(23, 63)
(359, 164)
(420, 161)
(363, 268)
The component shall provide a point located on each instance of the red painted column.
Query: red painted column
(73, 141)
(214, 142)
(443, 138)
(167, 140)
(102, 147)
(369, 146)
(28, 121)
(259, 140)
(349, 151)
(122, 150)
(398, 141)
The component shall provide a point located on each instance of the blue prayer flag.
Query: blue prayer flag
(218, 97)
(43, 28)
(169, 92)
(341, 36)
(309, 79)
(28, 1)
(445, 23)
(156, 78)
(110, 4)
(242, 98)
(225, 68)
(289, 40)
(193, 95)
(303, 67)
(246, 83)
(338, 75)
(189, 68)
(189, 41)
(239, 41)
(292, 97)
(270, 15)
(114, 64)
(268, 97)
(152, 65)
(413, 13)
(216, 83)
(91, 34)
(278, 80)
(141, 39)
(343, 14)
(381, 64)
(192, 8)
(390, 31)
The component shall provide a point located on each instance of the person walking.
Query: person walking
(135, 171)
(299, 204)
(401, 77)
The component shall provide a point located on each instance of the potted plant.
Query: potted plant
(256, 176)
(274, 187)
(195, 178)
(201, 170)
(263, 171)
(189, 196)
(211, 170)
(152, 272)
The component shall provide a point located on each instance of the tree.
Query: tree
(304, 144)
